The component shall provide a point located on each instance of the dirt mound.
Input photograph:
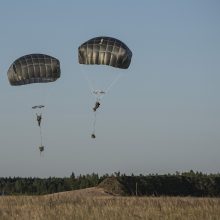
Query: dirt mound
(112, 186)
(108, 187)
(88, 192)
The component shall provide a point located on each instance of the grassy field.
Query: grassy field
(95, 204)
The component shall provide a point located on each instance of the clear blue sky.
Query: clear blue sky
(162, 116)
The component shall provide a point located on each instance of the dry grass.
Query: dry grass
(95, 204)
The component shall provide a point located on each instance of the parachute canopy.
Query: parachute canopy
(34, 68)
(105, 51)
(38, 106)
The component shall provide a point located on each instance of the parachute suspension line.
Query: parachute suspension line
(113, 82)
(37, 111)
(44, 95)
(100, 93)
(41, 138)
(41, 147)
(94, 124)
(33, 116)
(91, 87)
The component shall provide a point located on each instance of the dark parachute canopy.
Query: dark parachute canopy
(38, 106)
(105, 51)
(34, 68)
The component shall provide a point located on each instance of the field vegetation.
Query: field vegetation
(95, 204)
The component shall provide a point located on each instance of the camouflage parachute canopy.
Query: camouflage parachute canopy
(105, 51)
(34, 68)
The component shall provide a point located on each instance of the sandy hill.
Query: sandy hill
(112, 186)
(108, 187)
(88, 192)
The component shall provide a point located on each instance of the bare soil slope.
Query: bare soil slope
(82, 193)
(108, 187)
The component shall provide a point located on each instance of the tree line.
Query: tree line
(42, 186)
(184, 184)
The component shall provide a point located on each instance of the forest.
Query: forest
(179, 184)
